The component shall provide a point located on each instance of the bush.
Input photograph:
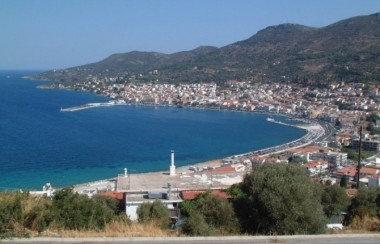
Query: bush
(154, 212)
(209, 214)
(366, 203)
(195, 225)
(12, 215)
(334, 200)
(77, 212)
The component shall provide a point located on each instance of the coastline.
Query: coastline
(159, 180)
(183, 169)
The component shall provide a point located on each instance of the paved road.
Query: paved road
(313, 239)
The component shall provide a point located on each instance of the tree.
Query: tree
(344, 181)
(216, 216)
(282, 200)
(366, 203)
(73, 211)
(334, 200)
(195, 225)
(156, 212)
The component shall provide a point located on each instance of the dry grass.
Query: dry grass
(362, 225)
(113, 229)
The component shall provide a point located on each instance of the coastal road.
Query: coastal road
(313, 239)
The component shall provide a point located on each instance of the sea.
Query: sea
(40, 144)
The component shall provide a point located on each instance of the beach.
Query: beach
(196, 176)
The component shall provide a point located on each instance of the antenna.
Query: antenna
(359, 164)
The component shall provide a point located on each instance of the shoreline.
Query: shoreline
(208, 163)
(157, 180)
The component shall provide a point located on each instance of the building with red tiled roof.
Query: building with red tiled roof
(304, 151)
(316, 166)
(190, 195)
(350, 171)
(113, 194)
(366, 171)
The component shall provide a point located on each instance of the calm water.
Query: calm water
(40, 144)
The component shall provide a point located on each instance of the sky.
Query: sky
(56, 34)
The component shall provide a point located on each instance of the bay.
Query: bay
(40, 144)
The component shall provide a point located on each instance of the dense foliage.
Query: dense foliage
(156, 212)
(281, 199)
(334, 200)
(366, 203)
(21, 213)
(209, 214)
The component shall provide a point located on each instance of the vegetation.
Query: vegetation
(281, 199)
(273, 199)
(334, 200)
(371, 127)
(154, 212)
(21, 214)
(209, 215)
(353, 154)
(364, 208)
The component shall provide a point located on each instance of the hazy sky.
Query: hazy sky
(46, 34)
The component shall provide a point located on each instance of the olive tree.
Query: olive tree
(281, 199)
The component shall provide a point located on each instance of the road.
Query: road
(313, 239)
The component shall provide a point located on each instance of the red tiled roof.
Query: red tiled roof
(223, 169)
(314, 163)
(368, 171)
(350, 171)
(113, 194)
(190, 195)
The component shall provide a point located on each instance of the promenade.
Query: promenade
(188, 177)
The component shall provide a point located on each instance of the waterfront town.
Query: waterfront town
(331, 115)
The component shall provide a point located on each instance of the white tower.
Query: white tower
(172, 166)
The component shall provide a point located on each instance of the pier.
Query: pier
(93, 105)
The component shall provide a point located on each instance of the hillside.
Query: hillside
(347, 50)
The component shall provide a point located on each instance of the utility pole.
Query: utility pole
(359, 159)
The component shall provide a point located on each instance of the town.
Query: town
(331, 114)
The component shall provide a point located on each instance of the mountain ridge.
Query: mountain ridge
(347, 50)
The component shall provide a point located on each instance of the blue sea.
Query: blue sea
(40, 144)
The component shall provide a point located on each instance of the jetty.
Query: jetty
(93, 105)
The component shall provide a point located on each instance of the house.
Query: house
(303, 152)
(171, 199)
(133, 200)
(367, 144)
(349, 171)
(368, 172)
(335, 158)
(316, 166)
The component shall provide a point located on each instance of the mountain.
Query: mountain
(348, 50)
